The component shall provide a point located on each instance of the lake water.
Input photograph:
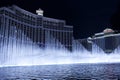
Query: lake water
(62, 72)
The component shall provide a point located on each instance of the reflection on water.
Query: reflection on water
(62, 72)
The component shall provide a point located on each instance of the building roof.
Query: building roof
(108, 30)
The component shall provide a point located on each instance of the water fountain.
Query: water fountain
(30, 39)
(17, 52)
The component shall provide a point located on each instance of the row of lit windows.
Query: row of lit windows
(18, 17)
(27, 16)
(51, 23)
(38, 22)
(64, 37)
(58, 28)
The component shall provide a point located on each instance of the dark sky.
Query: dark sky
(87, 16)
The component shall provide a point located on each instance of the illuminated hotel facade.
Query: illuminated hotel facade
(25, 27)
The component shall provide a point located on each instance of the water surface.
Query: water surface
(62, 72)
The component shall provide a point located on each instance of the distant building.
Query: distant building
(108, 40)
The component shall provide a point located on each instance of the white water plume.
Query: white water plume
(17, 52)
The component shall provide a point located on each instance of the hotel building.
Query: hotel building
(19, 24)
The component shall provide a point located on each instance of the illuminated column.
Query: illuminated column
(38, 41)
(2, 40)
(60, 40)
(42, 30)
(37, 38)
(5, 39)
(57, 39)
(66, 42)
(8, 33)
(40, 36)
(63, 38)
(32, 34)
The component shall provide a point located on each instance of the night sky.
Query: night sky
(87, 16)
